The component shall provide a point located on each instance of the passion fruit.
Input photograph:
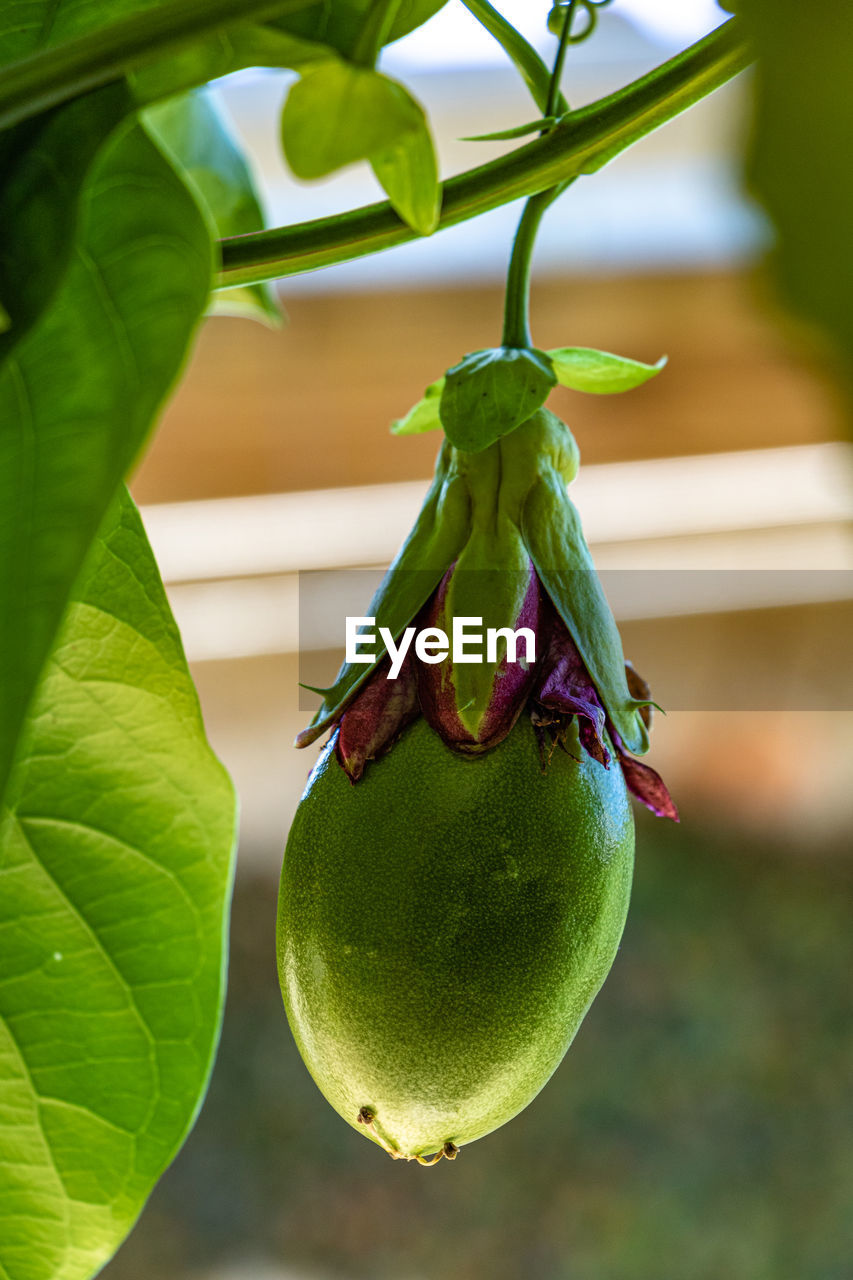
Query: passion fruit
(443, 927)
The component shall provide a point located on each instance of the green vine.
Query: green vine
(63, 71)
(581, 143)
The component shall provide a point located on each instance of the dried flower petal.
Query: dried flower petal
(564, 686)
(511, 681)
(591, 742)
(649, 787)
(377, 717)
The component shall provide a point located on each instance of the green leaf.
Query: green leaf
(408, 173)
(193, 129)
(798, 162)
(115, 874)
(423, 416)
(339, 22)
(338, 113)
(80, 391)
(45, 163)
(411, 14)
(492, 392)
(599, 372)
(520, 131)
(229, 49)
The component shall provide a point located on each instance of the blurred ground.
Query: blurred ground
(698, 1128)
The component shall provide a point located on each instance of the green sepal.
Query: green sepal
(492, 392)
(600, 372)
(490, 582)
(439, 533)
(552, 532)
(422, 416)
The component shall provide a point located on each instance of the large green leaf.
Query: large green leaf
(799, 164)
(115, 873)
(193, 129)
(339, 22)
(45, 161)
(228, 49)
(44, 165)
(27, 25)
(30, 24)
(79, 392)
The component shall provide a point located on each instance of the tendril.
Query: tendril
(590, 18)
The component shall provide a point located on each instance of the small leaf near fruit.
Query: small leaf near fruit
(422, 416)
(600, 372)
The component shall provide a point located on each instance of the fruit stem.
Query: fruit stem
(516, 331)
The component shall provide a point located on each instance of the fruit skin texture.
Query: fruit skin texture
(444, 925)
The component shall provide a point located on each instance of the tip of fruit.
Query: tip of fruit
(367, 1117)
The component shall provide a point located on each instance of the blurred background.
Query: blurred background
(699, 1127)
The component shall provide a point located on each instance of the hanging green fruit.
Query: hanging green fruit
(443, 928)
(445, 922)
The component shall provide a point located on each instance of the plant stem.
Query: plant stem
(516, 331)
(581, 143)
(559, 61)
(63, 71)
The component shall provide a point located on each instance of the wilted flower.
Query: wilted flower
(499, 540)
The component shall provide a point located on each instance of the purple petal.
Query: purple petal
(649, 787)
(591, 742)
(510, 687)
(377, 717)
(565, 686)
